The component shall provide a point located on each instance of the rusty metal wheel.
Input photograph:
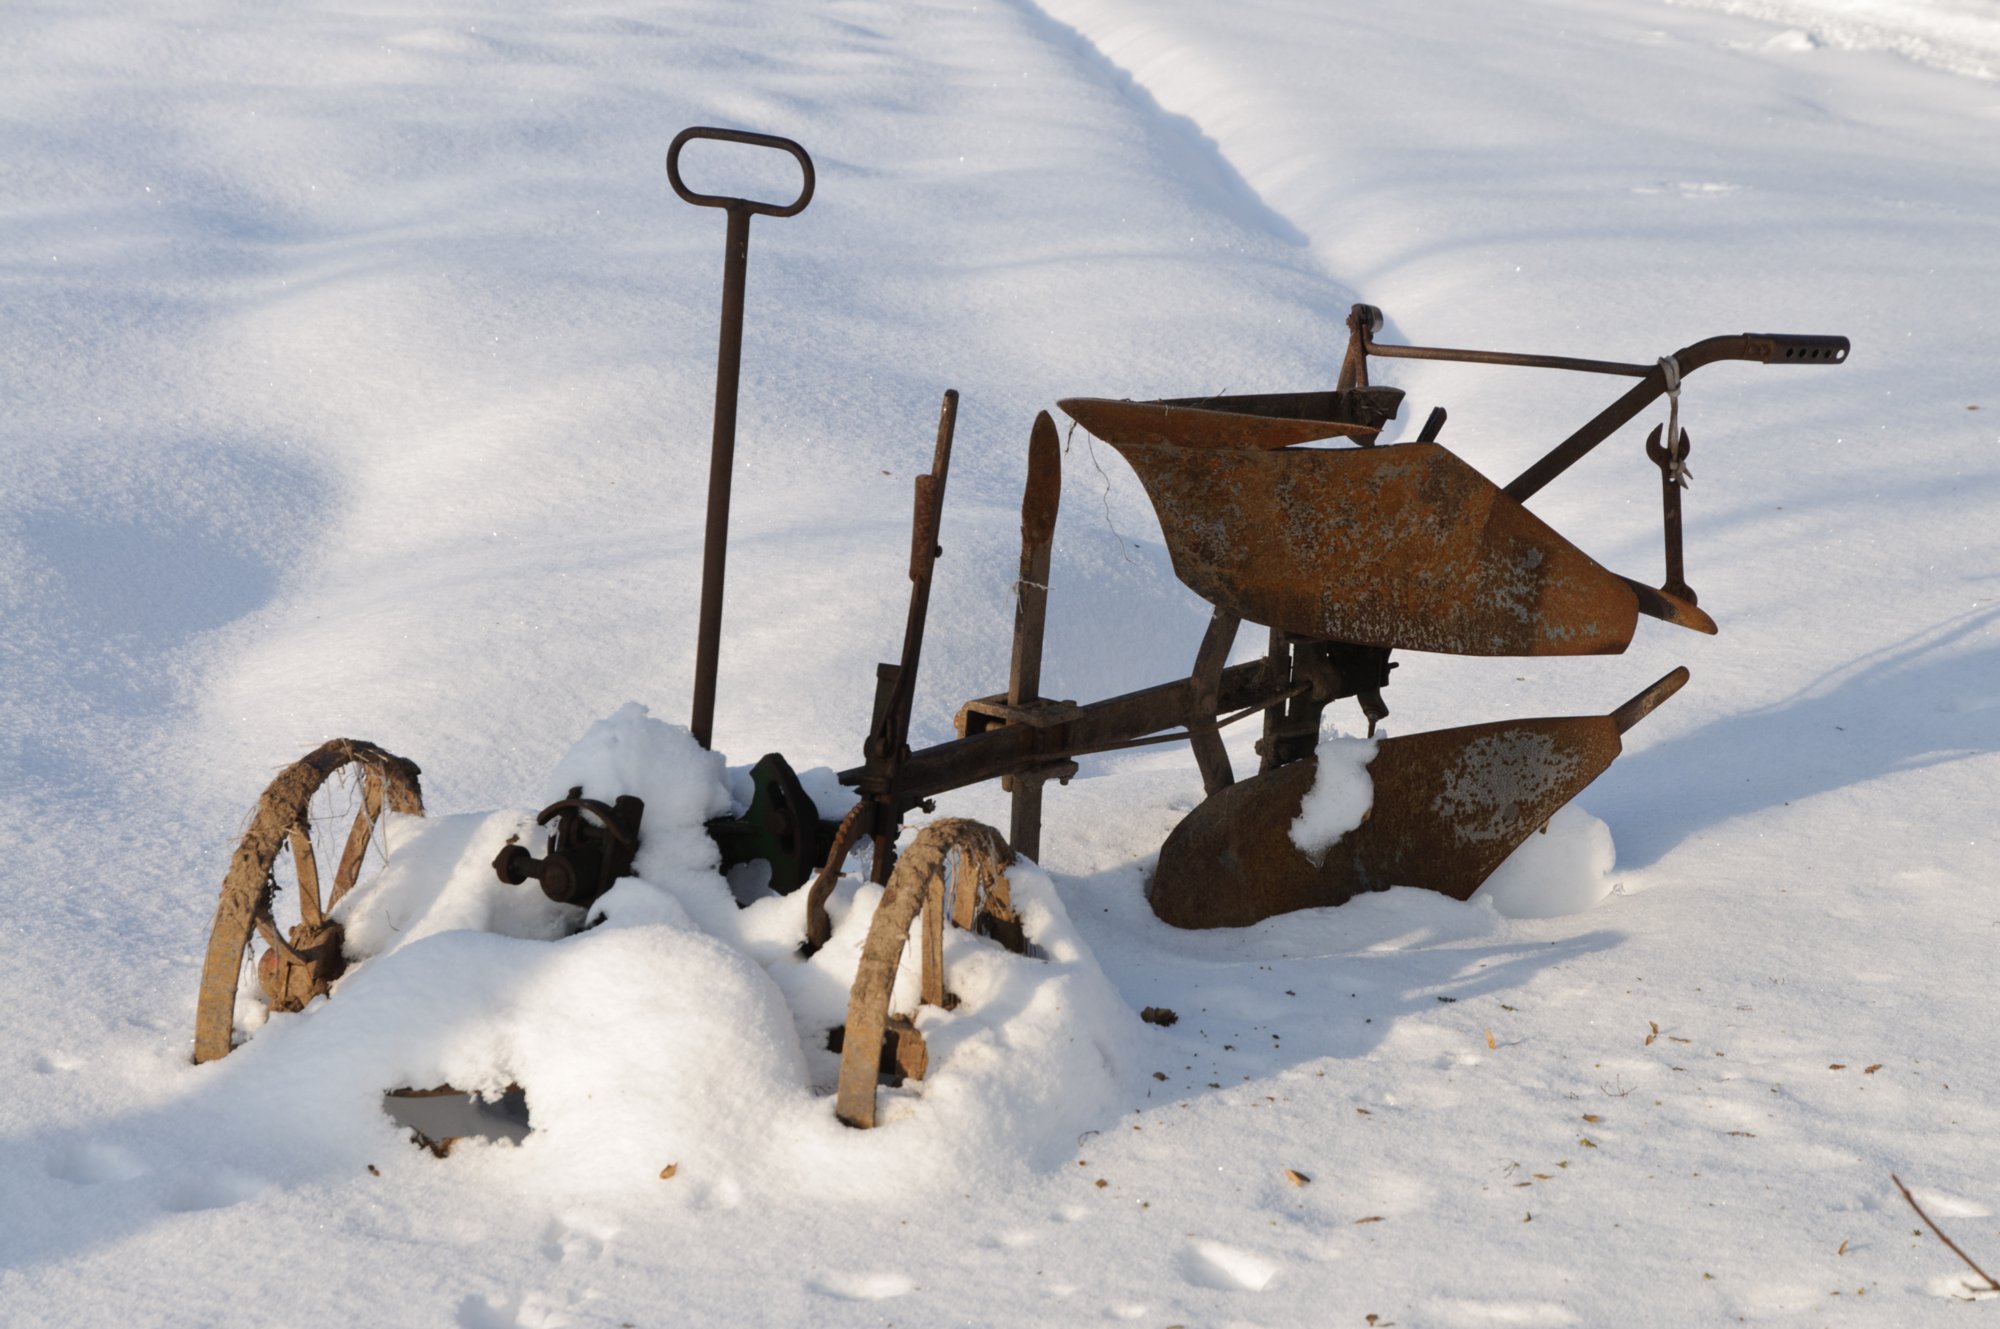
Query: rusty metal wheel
(956, 870)
(293, 969)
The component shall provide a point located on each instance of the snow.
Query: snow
(360, 366)
(1564, 868)
(1340, 797)
(1962, 36)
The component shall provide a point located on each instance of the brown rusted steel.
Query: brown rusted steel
(728, 370)
(819, 926)
(1655, 380)
(968, 859)
(1366, 407)
(1763, 348)
(1197, 427)
(1449, 806)
(885, 794)
(1655, 603)
(1271, 743)
(1102, 726)
(591, 847)
(1205, 685)
(1403, 547)
(888, 739)
(302, 966)
(1363, 322)
(1040, 500)
(1673, 479)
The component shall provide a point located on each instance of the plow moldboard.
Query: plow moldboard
(1404, 546)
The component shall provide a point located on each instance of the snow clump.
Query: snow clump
(1340, 797)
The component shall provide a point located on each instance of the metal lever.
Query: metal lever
(728, 370)
(1672, 480)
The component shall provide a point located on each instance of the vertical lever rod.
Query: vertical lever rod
(728, 370)
(721, 463)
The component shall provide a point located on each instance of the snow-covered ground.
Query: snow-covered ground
(358, 365)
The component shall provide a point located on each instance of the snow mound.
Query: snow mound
(1565, 868)
(677, 1028)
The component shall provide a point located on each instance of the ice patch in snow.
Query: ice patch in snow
(1340, 797)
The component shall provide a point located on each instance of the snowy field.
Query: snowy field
(358, 365)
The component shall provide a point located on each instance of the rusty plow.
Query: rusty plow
(1284, 510)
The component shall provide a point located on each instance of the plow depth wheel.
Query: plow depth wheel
(293, 970)
(954, 870)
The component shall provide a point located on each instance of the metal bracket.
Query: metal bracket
(591, 848)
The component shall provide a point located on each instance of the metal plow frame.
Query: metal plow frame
(1279, 509)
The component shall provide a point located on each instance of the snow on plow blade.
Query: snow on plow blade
(1404, 546)
(1450, 806)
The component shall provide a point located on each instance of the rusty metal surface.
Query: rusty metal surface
(295, 969)
(1205, 686)
(1371, 407)
(1449, 806)
(1041, 499)
(1673, 478)
(886, 792)
(1120, 422)
(987, 753)
(591, 847)
(819, 924)
(1403, 546)
(1655, 603)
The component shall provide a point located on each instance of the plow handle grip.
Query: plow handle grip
(793, 208)
(1780, 348)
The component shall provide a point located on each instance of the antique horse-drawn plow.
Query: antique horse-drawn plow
(1284, 510)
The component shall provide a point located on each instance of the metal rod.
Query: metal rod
(1008, 748)
(1509, 358)
(1763, 347)
(1769, 348)
(728, 371)
(721, 461)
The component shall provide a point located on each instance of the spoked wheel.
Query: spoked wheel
(293, 969)
(955, 870)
